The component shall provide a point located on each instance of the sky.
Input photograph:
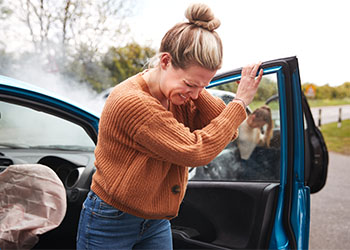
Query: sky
(317, 32)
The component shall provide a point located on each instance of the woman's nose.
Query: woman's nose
(195, 93)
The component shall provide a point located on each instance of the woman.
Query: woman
(153, 126)
(250, 134)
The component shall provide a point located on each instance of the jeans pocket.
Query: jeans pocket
(104, 210)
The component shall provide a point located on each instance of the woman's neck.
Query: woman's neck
(151, 77)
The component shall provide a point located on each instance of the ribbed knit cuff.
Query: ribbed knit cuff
(243, 102)
(239, 112)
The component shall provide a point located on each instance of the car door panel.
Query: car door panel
(316, 153)
(232, 215)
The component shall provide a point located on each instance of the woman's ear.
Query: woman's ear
(251, 117)
(165, 60)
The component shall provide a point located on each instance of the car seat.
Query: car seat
(32, 202)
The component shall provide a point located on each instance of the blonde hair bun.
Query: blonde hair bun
(201, 15)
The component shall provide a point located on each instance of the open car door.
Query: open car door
(262, 201)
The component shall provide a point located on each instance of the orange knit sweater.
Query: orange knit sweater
(144, 151)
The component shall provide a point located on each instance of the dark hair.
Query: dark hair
(264, 114)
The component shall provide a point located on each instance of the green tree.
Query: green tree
(110, 68)
(343, 91)
(123, 62)
(84, 68)
(66, 38)
(329, 92)
(230, 87)
(325, 92)
(267, 88)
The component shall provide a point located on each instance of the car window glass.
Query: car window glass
(24, 127)
(255, 154)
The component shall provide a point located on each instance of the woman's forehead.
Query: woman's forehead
(198, 76)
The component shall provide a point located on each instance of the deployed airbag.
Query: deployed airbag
(32, 202)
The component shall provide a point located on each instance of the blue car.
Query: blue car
(259, 202)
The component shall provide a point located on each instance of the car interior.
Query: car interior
(242, 203)
(242, 195)
(66, 148)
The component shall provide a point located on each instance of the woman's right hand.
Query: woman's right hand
(248, 85)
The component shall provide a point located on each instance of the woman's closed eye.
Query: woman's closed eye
(188, 84)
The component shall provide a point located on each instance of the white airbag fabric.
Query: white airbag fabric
(32, 202)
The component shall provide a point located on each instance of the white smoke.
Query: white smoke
(82, 94)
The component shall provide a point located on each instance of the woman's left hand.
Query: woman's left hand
(249, 83)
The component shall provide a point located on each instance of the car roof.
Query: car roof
(18, 84)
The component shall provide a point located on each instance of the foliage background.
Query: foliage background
(80, 41)
(87, 42)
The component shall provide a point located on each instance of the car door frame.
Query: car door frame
(292, 221)
(18, 92)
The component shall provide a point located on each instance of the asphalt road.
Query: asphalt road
(330, 113)
(330, 208)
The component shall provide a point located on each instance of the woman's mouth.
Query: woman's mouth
(183, 97)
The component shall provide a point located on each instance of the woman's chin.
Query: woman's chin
(178, 101)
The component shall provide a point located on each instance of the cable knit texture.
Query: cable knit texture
(144, 151)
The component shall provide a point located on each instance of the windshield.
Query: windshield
(22, 127)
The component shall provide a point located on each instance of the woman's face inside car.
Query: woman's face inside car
(255, 122)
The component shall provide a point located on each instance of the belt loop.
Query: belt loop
(92, 195)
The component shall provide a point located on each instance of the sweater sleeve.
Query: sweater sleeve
(164, 137)
(204, 109)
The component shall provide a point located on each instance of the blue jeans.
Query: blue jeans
(102, 226)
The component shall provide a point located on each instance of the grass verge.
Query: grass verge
(312, 103)
(328, 102)
(337, 139)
